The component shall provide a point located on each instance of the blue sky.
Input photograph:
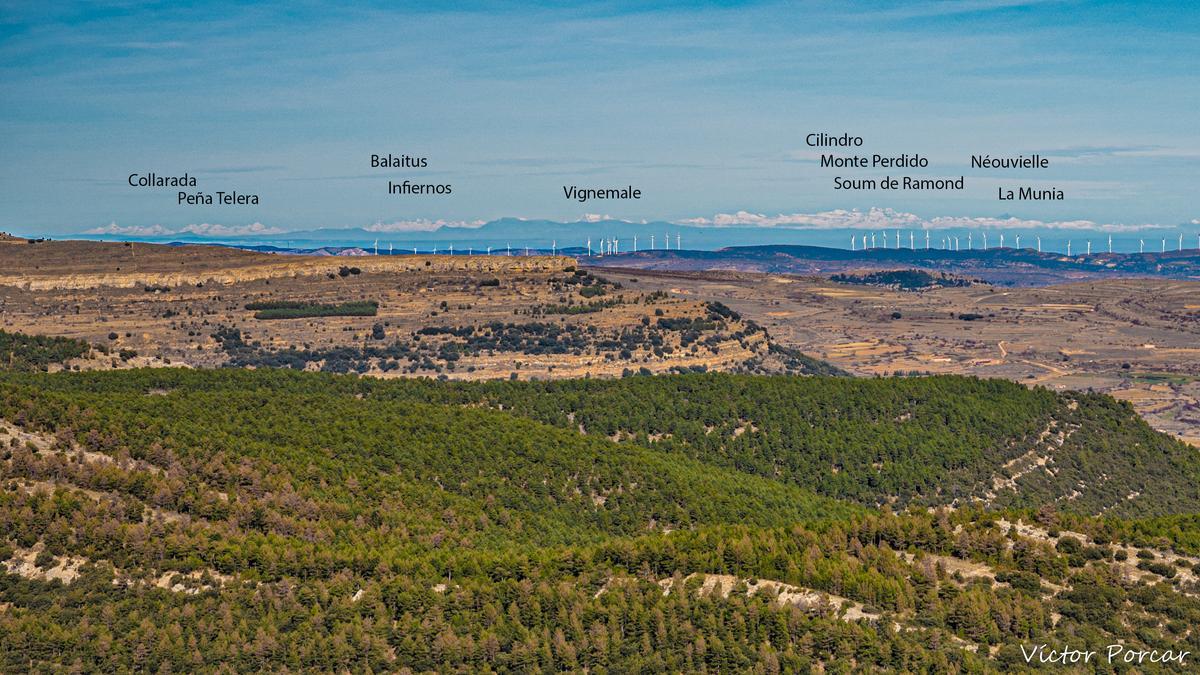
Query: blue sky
(703, 106)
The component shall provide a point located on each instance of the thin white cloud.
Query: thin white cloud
(598, 218)
(198, 229)
(421, 225)
(216, 230)
(152, 45)
(131, 230)
(877, 218)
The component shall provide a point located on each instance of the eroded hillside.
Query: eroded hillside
(460, 317)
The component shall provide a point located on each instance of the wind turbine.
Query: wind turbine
(376, 247)
(897, 239)
(589, 245)
(1068, 248)
(926, 240)
(553, 247)
(1039, 238)
(677, 241)
(1001, 240)
(666, 241)
(1110, 243)
(1180, 241)
(651, 242)
(1164, 245)
(956, 244)
(1018, 242)
(910, 240)
(872, 240)
(852, 243)
(970, 242)
(1089, 248)
(635, 243)
(1141, 245)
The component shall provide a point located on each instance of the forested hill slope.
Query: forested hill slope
(266, 520)
(929, 441)
(511, 477)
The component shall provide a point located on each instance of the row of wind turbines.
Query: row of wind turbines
(858, 242)
(868, 241)
(604, 246)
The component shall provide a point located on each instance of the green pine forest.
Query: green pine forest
(178, 520)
